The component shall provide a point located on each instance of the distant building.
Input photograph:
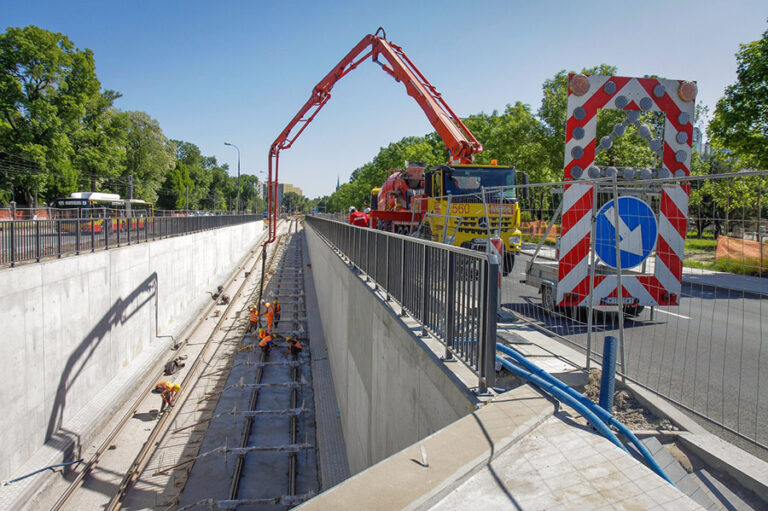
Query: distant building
(282, 189)
(338, 182)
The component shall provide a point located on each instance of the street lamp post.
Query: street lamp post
(237, 208)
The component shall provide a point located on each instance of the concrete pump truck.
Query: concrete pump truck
(447, 203)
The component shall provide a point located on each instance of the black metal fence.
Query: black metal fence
(34, 240)
(451, 291)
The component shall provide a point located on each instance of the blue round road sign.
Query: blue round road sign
(637, 230)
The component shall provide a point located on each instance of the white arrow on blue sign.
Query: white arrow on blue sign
(637, 232)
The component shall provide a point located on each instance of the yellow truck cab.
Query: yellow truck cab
(471, 221)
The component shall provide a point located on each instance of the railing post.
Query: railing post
(402, 277)
(93, 235)
(424, 291)
(128, 230)
(487, 337)
(386, 270)
(450, 305)
(13, 239)
(77, 237)
(105, 226)
(37, 240)
(58, 238)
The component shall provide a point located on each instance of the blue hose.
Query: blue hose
(561, 395)
(588, 403)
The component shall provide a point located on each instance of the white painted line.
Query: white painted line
(672, 314)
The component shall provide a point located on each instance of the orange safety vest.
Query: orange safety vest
(254, 316)
(276, 307)
(265, 341)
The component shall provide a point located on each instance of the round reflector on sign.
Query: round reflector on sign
(579, 85)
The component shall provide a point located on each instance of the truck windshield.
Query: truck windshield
(469, 180)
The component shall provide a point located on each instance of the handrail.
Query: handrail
(451, 291)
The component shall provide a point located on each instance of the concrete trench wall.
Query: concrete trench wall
(391, 389)
(71, 326)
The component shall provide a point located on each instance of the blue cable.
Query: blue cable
(597, 410)
(565, 398)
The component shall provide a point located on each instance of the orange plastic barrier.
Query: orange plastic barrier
(538, 228)
(742, 250)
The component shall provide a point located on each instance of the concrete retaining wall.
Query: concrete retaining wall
(391, 389)
(71, 326)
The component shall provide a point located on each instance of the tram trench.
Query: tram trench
(265, 474)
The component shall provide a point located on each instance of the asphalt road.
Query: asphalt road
(710, 353)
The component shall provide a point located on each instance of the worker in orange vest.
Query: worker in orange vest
(254, 318)
(276, 309)
(269, 313)
(167, 392)
(265, 340)
(294, 347)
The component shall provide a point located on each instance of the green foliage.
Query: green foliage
(741, 117)
(149, 157)
(49, 101)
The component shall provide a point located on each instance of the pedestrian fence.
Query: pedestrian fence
(703, 343)
(34, 240)
(451, 291)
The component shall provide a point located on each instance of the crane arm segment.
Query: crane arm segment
(460, 142)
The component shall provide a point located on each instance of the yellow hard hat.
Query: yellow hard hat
(261, 331)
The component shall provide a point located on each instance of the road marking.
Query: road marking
(672, 314)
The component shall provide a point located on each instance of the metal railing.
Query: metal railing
(34, 240)
(451, 291)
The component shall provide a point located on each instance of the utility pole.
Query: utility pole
(130, 184)
(186, 201)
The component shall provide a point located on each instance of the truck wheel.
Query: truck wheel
(426, 232)
(548, 300)
(509, 263)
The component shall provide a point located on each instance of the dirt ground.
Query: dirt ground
(626, 408)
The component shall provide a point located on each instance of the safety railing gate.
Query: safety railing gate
(451, 291)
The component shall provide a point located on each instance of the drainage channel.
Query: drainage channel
(259, 451)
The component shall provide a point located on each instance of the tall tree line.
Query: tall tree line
(61, 132)
(534, 142)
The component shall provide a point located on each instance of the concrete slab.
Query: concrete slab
(560, 466)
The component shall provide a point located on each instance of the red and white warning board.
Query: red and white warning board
(586, 96)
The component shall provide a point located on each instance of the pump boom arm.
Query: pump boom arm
(457, 138)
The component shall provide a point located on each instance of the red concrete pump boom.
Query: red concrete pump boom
(460, 142)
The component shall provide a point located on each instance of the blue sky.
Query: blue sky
(217, 71)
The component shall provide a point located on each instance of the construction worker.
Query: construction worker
(357, 218)
(254, 318)
(276, 309)
(265, 340)
(167, 392)
(269, 313)
(294, 347)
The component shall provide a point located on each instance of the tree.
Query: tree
(48, 92)
(740, 122)
(149, 155)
